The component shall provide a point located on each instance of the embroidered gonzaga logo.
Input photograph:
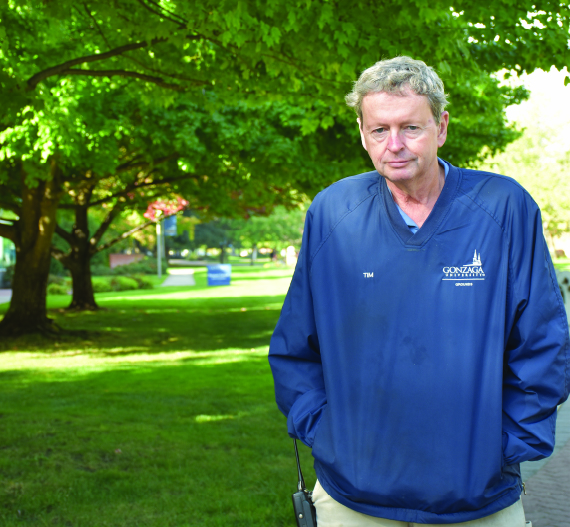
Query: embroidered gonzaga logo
(465, 274)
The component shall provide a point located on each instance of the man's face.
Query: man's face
(401, 136)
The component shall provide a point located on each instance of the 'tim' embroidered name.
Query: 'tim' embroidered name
(368, 275)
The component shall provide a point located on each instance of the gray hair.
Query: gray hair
(396, 76)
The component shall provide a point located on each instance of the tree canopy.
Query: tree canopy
(303, 52)
(234, 162)
(78, 79)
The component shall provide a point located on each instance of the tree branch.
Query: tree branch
(181, 25)
(124, 73)
(56, 70)
(96, 238)
(125, 191)
(172, 75)
(140, 164)
(130, 187)
(183, 20)
(95, 24)
(124, 235)
(67, 236)
(58, 254)
(136, 161)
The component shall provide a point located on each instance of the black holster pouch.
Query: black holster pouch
(305, 512)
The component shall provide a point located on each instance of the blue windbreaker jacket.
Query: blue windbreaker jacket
(423, 368)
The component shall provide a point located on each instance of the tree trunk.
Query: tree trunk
(78, 259)
(83, 298)
(33, 234)
(83, 246)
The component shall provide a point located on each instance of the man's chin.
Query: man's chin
(398, 175)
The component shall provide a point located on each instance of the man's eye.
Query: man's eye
(412, 127)
(378, 131)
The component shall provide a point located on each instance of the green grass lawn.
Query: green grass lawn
(562, 264)
(161, 413)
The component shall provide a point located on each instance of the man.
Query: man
(423, 346)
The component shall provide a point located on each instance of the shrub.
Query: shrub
(100, 270)
(56, 280)
(102, 284)
(57, 268)
(57, 289)
(144, 282)
(123, 283)
(108, 284)
(144, 266)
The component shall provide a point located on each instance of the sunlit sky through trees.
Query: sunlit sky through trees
(549, 94)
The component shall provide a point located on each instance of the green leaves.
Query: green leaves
(78, 67)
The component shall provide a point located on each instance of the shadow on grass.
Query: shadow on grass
(161, 325)
(145, 445)
(11, 375)
(162, 414)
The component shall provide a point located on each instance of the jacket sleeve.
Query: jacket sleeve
(294, 353)
(536, 372)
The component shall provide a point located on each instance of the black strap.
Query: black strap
(301, 483)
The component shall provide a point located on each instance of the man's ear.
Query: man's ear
(361, 133)
(442, 129)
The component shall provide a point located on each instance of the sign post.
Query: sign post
(158, 249)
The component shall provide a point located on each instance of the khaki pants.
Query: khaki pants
(330, 513)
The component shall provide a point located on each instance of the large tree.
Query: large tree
(54, 54)
(232, 163)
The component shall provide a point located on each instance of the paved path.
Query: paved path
(547, 502)
(179, 277)
(5, 295)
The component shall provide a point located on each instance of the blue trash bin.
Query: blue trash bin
(220, 274)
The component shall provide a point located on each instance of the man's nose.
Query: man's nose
(395, 143)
